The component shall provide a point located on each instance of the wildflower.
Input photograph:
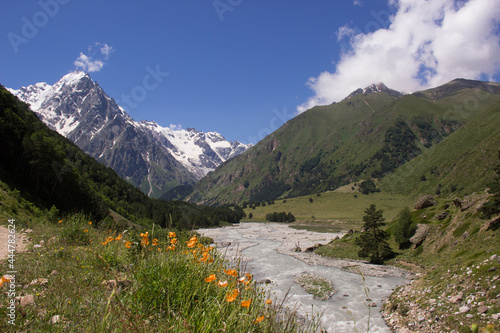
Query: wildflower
(172, 234)
(85, 230)
(205, 256)
(246, 304)
(128, 244)
(222, 284)
(59, 221)
(155, 241)
(119, 237)
(241, 279)
(90, 223)
(173, 240)
(192, 242)
(232, 296)
(269, 301)
(145, 239)
(210, 278)
(259, 319)
(231, 272)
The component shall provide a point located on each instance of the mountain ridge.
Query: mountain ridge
(152, 157)
(364, 137)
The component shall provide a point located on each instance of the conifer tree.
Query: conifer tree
(373, 239)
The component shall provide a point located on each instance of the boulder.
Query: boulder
(441, 216)
(425, 201)
(420, 234)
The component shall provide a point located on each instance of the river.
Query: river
(267, 250)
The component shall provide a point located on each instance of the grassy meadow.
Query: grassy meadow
(345, 207)
(82, 276)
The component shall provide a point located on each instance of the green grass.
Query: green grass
(102, 280)
(333, 207)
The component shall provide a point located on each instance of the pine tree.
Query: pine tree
(373, 239)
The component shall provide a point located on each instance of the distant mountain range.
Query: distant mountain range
(439, 140)
(150, 156)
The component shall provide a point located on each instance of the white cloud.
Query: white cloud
(89, 63)
(427, 43)
(106, 50)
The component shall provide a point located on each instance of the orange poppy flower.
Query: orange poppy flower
(59, 221)
(259, 319)
(128, 244)
(171, 234)
(222, 284)
(173, 241)
(90, 223)
(232, 296)
(192, 242)
(231, 272)
(85, 230)
(211, 278)
(119, 237)
(269, 301)
(246, 304)
(155, 241)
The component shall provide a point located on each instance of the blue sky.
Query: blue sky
(242, 67)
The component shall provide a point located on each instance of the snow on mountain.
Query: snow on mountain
(149, 155)
(373, 89)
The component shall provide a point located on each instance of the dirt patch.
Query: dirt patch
(4, 242)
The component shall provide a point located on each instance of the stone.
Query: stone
(55, 319)
(469, 315)
(495, 316)
(494, 257)
(39, 281)
(441, 216)
(27, 300)
(425, 202)
(464, 309)
(482, 309)
(420, 234)
(456, 299)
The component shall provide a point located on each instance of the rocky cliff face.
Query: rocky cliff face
(152, 157)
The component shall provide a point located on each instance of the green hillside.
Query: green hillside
(366, 136)
(50, 172)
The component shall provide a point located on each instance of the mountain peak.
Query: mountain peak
(374, 89)
(74, 76)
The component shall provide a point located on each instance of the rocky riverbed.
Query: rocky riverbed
(271, 253)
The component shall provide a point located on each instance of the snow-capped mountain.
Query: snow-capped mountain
(373, 89)
(153, 157)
